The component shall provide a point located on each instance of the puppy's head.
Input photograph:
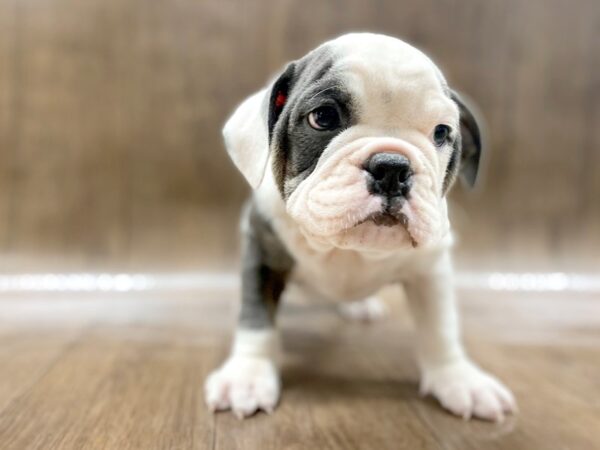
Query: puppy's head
(363, 139)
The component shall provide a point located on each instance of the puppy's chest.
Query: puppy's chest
(338, 276)
(343, 275)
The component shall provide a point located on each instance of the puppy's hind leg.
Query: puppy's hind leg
(249, 380)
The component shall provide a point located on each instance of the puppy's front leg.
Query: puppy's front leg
(446, 372)
(248, 381)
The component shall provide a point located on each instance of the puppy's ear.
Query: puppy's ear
(248, 131)
(471, 141)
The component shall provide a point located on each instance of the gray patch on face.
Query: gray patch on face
(311, 82)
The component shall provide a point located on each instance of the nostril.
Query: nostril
(405, 188)
(404, 173)
(379, 172)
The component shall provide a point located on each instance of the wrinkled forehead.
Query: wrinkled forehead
(390, 80)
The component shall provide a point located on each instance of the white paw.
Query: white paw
(243, 384)
(368, 310)
(467, 391)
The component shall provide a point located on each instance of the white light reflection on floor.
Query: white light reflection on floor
(530, 282)
(115, 282)
(132, 282)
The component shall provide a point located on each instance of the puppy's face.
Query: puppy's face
(364, 138)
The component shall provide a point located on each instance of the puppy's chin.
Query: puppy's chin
(380, 233)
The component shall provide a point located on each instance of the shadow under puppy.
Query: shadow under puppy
(350, 153)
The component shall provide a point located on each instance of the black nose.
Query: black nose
(391, 174)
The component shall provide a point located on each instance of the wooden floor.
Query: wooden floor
(125, 371)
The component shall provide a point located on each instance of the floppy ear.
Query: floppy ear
(248, 131)
(471, 142)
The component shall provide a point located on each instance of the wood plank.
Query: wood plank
(555, 410)
(25, 356)
(133, 379)
(34, 334)
(546, 348)
(123, 385)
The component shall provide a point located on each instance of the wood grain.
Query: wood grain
(126, 372)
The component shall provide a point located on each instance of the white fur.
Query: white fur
(367, 310)
(401, 98)
(467, 391)
(446, 371)
(248, 381)
(246, 138)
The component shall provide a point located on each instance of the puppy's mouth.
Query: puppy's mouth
(391, 217)
(388, 219)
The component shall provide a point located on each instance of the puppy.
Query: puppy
(350, 153)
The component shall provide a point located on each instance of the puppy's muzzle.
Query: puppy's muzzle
(389, 176)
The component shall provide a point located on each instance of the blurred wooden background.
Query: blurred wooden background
(111, 110)
(111, 159)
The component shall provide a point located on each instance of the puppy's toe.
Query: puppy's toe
(467, 391)
(245, 385)
(457, 399)
(369, 310)
(486, 405)
(216, 391)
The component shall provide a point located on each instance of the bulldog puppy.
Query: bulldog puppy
(351, 152)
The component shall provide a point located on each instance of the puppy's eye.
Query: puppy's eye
(324, 118)
(441, 135)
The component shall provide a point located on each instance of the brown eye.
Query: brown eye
(324, 118)
(441, 135)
